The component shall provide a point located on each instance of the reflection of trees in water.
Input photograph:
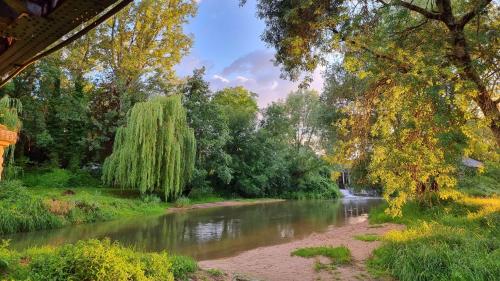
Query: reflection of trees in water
(358, 207)
(209, 233)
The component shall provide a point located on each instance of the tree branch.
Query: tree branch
(424, 12)
(475, 11)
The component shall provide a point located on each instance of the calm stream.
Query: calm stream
(212, 233)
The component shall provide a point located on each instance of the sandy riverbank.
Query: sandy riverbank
(224, 204)
(274, 263)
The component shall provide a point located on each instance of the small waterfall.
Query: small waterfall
(346, 193)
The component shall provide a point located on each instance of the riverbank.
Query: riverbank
(223, 203)
(276, 262)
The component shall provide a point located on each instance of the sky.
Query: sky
(227, 42)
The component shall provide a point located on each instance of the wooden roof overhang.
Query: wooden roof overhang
(31, 29)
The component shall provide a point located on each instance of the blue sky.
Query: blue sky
(227, 42)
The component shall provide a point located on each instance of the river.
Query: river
(212, 233)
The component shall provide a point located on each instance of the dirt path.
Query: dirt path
(274, 263)
(224, 204)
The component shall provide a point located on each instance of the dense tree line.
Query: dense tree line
(242, 154)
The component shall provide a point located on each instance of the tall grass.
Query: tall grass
(19, 211)
(450, 241)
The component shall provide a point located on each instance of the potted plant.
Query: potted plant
(10, 124)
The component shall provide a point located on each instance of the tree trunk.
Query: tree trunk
(484, 99)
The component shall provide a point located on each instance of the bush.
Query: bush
(183, 266)
(87, 260)
(151, 198)
(60, 178)
(47, 178)
(182, 202)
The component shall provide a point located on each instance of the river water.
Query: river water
(213, 233)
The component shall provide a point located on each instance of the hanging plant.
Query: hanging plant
(9, 113)
(155, 151)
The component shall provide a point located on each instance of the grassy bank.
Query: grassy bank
(25, 209)
(449, 241)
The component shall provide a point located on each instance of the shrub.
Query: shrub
(97, 260)
(182, 202)
(83, 178)
(60, 178)
(151, 198)
(182, 266)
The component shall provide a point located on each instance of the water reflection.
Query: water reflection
(212, 233)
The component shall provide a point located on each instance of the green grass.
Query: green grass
(367, 237)
(215, 272)
(485, 183)
(338, 255)
(319, 266)
(449, 241)
(183, 267)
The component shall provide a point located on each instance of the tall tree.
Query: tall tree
(453, 39)
(155, 151)
(239, 108)
(427, 71)
(211, 132)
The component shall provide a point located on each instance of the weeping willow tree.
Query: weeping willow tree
(155, 151)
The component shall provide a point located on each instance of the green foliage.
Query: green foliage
(452, 241)
(23, 212)
(10, 109)
(215, 272)
(59, 178)
(183, 266)
(37, 208)
(155, 152)
(338, 255)
(421, 101)
(211, 132)
(75, 99)
(367, 237)
(239, 107)
(483, 183)
(182, 202)
(88, 260)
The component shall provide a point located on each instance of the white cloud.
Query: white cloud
(257, 72)
(274, 85)
(242, 79)
(220, 78)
